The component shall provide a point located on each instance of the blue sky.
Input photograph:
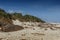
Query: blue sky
(48, 10)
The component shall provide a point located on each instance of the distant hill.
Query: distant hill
(8, 17)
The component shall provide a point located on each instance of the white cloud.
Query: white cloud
(12, 11)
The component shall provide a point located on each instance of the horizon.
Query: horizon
(47, 10)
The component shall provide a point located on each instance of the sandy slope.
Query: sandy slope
(31, 34)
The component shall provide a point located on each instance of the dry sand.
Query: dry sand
(31, 33)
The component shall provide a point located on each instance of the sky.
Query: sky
(47, 10)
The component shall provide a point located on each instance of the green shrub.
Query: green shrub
(19, 16)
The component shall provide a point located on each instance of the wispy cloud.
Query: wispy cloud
(13, 11)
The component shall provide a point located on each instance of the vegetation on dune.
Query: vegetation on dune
(7, 17)
(6, 20)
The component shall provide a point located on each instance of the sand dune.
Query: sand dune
(32, 32)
